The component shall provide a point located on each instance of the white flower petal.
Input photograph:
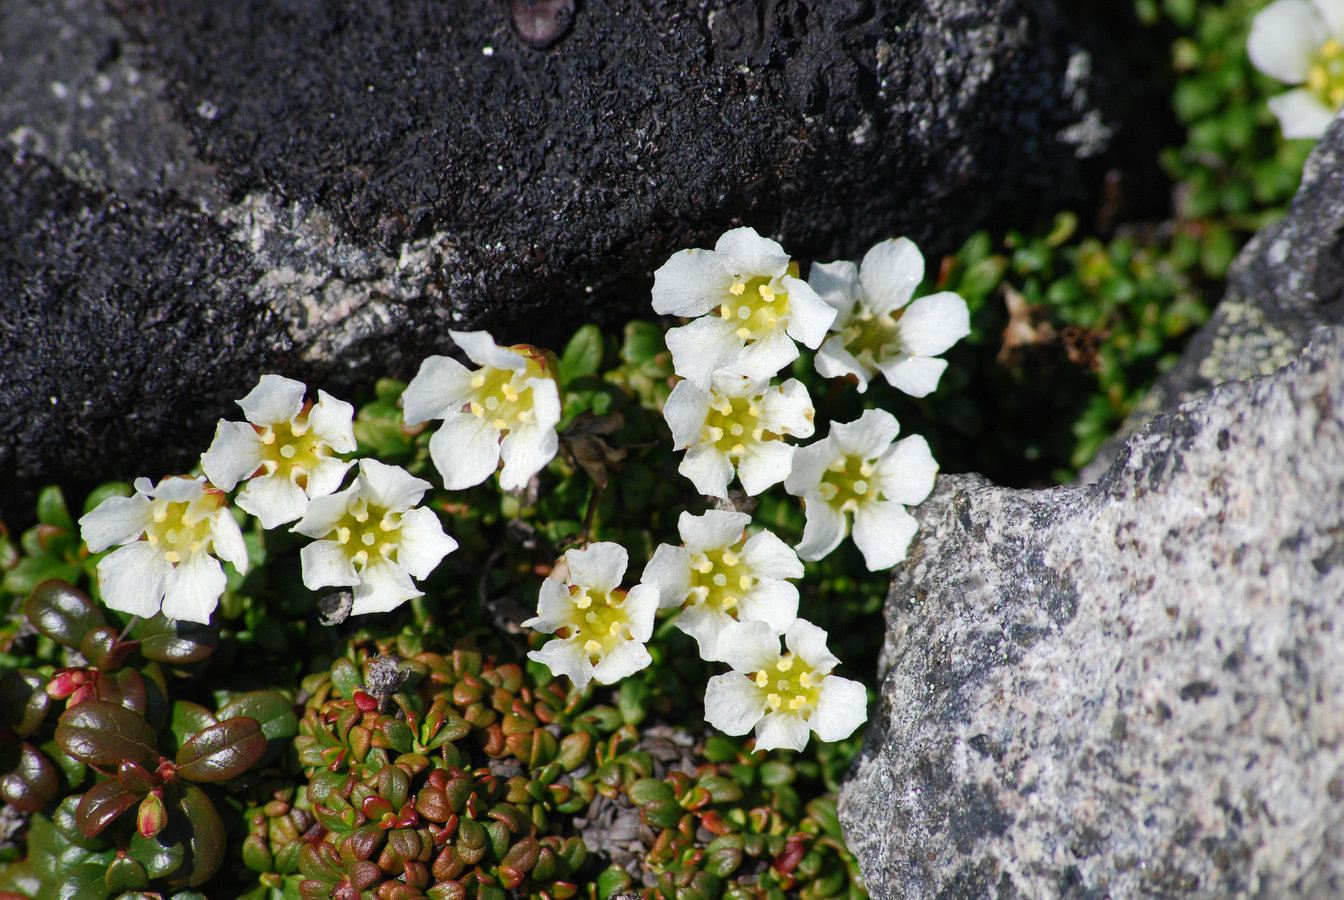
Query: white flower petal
(761, 360)
(810, 317)
(809, 464)
(690, 283)
(914, 375)
(882, 531)
(565, 657)
(391, 487)
(192, 590)
(670, 571)
(326, 476)
(382, 586)
(332, 420)
(789, 410)
(1332, 14)
(837, 283)
(1284, 37)
(770, 557)
(712, 529)
(481, 348)
(599, 567)
(323, 514)
(782, 731)
(773, 602)
(685, 411)
(641, 607)
(702, 346)
(465, 450)
(626, 658)
(868, 436)
(226, 540)
(1300, 114)
(326, 564)
(115, 521)
(890, 272)
(274, 499)
(275, 399)
(442, 385)
(748, 254)
(423, 543)
(749, 646)
(908, 471)
(178, 489)
(932, 324)
(808, 642)
(763, 465)
(545, 401)
(733, 703)
(708, 469)
(834, 361)
(842, 706)
(823, 531)
(132, 579)
(234, 454)
(704, 625)
(525, 453)
(554, 607)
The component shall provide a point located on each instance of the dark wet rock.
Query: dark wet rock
(360, 177)
(1136, 687)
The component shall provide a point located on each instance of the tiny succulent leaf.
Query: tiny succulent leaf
(62, 612)
(222, 751)
(104, 734)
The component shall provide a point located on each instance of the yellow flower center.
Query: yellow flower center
(733, 424)
(719, 578)
(790, 685)
(1325, 75)
(757, 306)
(600, 621)
(181, 529)
(503, 397)
(848, 482)
(289, 449)
(367, 532)
(870, 338)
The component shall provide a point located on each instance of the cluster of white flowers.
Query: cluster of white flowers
(288, 457)
(1302, 43)
(731, 591)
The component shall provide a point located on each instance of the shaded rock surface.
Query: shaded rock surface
(1136, 687)
(339, 184)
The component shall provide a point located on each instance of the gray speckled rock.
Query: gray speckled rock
(1132, 688)
(331, 186)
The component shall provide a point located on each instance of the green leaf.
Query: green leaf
(23, 701)
(100, 806)
(30, 783)
(32, 571)
(176, 641)
(104, 734)
(188, 720)
(222, 751)
(62, 612)
(273, 711)
(651, 790)
(582, 355)
(84, 882)
(51, 509)
(189, 850)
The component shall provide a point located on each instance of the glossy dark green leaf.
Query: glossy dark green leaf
(101, 648)
(136, 779)
(62, 612)
(188, 720)
(274, 711)
(189, 850)
(125, 874)
(124, 687)
(222, 751)
(30, 782)
(83, 882)
(23, 701)
(104, 734)
(100, 806)
(176, 641)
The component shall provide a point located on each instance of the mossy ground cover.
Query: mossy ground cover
(286, 752)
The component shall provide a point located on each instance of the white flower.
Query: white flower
(722, 576)
(509, 407)
(1300, 42)
(289, 447)
(370, 538)
(169, 532)
(879, 329)
(601, 629)
(857, 469)
(759, 308)
(739, 422)
(784, 696)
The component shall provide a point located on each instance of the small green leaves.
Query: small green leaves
(104, 734)
(222, 751)
(62, 612)
(100, 805)
(176, 641)
(582, 355)
(28, 780)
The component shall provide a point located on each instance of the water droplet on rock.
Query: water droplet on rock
(541, 22)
